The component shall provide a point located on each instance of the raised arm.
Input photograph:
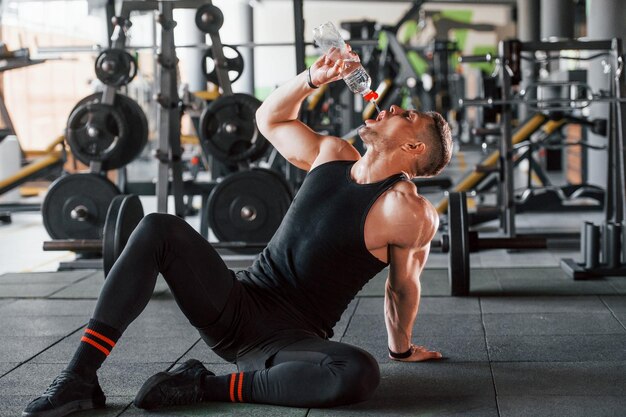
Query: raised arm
(277, 118)
(402, 293)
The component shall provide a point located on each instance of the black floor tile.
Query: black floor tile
(65, 277)
(578, 348)
(542, 274)
(622, 319)
(618, 283)
(543, 304)
(221, 410)
(532, 286)
(386, 404)
(48, 307)
(552, 324)
(561, 406)
(436, 379)
(41, 326)
(616, 303)
(560, 378)
(22, 348)
(30, 290)
(6, 367)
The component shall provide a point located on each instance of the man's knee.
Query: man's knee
(359, 379)
(365, 375)
(155, 226)
(156, 222)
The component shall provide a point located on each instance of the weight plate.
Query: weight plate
(233, 62)
(76, 205)
(458, 257)
(228, 130)
(280, 177)
(110, 148)
(123, 216)
(248, 206)
(115, 67)
(209, 18)
(95, 131)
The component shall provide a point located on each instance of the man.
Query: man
(352, 217)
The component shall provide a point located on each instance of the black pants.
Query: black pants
(306, 371)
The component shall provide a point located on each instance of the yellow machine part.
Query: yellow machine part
(207, 95)
(522, 133)
(50, 157)
(315, 98)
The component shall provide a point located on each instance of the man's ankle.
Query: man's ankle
(88, 375)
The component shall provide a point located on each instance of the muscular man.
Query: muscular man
(352, 217)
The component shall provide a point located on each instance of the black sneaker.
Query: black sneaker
(67, 393)
(182, 386)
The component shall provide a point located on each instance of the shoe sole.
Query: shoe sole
(65, 409)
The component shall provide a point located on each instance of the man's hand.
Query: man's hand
(330, 67)
(418, 354)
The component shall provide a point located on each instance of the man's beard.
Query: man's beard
(368, 136)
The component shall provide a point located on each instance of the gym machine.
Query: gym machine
(242, 209)
(546, 197)
(41, 164)
(511, 52)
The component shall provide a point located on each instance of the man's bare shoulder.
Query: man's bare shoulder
(410, 216)
(333, 149)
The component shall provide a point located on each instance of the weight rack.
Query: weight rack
(603, 246)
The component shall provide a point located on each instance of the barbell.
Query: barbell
(462, 241)
(244, 210)
(124, 214)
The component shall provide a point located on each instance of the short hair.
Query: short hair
(440, 141)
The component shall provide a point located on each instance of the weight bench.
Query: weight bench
(489, 163)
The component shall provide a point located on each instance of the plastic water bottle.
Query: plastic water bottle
(327, 36)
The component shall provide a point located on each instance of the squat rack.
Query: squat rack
(603, 246)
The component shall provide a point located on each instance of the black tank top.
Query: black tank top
(317, 260)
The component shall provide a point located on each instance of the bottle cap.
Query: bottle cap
(370, 95)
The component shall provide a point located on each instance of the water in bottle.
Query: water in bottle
(327, 36)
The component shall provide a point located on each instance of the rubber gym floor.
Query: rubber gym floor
(527, 342)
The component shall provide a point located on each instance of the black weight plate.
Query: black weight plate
(136, 131)
(247, 206)
(278, 176)
(95, 131)
(92, 192)
(115, 67)
(458, 257)
(123, 216)
(209, 18)
(228, 129)
(139, 128)
(233, 63)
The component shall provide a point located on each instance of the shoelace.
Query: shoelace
(62, 378)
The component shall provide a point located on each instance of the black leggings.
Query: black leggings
(309, 372)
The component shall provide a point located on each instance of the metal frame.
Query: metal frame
(603, 246)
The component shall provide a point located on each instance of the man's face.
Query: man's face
(396, 125)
